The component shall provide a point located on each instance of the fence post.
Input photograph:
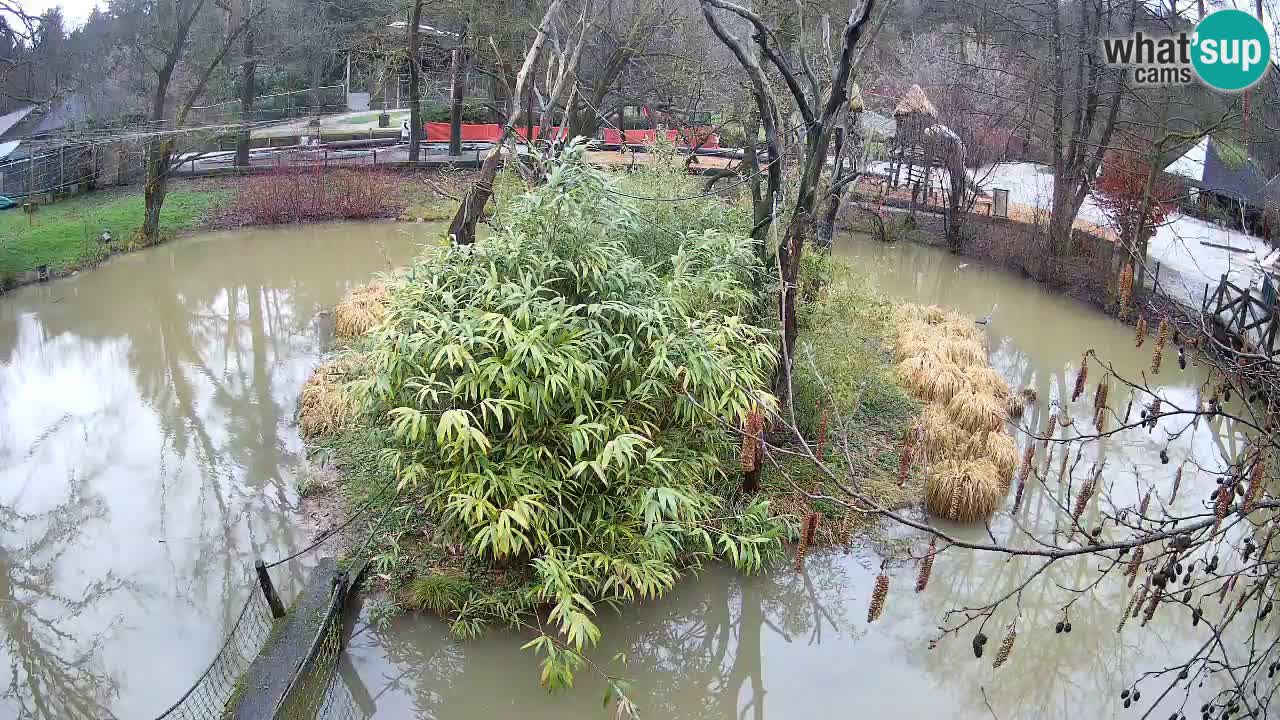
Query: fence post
(1204, 304)
(269, 590)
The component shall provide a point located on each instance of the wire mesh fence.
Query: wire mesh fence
(208, 697)
(72, 167)
(321, 692)
(275, 107)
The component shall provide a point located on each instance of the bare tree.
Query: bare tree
(819, 103)
(164, 37)
(463, 228)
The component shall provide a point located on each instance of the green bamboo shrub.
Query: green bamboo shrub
(647, 234)
(564, 406)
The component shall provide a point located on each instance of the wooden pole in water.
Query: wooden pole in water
(269, 590)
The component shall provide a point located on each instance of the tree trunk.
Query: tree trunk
(457, 88)
(157, 186)
(955, 213)
(415, 91)
(248, 89)
(463, 228)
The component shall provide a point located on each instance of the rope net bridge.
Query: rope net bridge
(282, 664)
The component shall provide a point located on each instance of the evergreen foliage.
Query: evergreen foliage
(565, 407)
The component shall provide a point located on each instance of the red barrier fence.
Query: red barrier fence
(685, 137)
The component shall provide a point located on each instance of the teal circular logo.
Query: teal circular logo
(1231, 50)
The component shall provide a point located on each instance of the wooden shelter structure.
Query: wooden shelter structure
(913, 116)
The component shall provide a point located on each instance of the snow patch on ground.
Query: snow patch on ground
(1177, 245)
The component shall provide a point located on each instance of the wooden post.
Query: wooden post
(457, 79)
(269, 590)
(1204, 304)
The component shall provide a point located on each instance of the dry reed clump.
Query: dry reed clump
(964, 490)
(971, 460)
(977, 412)
(362, 309)
(996, 447)
(325, 407)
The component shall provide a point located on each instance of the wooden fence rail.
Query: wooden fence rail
(1250, 319)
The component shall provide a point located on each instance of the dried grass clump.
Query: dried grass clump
(931, 379)
(964, 490)
(997, 448)
(971, 460)
(977, 412)
(362, 309)
(988, 381)
(940, 435)
(325, 407)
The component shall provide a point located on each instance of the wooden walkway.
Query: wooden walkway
(1252, 320)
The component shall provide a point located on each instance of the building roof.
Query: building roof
(8, 121)
(1191, 164)
(1243, 182)
(915, 101)
(7, 148)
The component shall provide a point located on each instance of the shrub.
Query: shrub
(299, 194)
(563, 409)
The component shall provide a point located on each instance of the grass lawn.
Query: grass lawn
(60, 235)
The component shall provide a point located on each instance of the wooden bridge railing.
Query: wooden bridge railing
(1250, 319)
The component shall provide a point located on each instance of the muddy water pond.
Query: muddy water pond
(148, 451)
(148, 455)
(788, 645)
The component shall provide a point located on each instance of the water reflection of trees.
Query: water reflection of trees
(695, 654)
(216, 343)
(51, 667)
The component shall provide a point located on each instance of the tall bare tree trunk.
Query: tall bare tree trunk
(248, 89)
(463, 228)
(415, 91)
(457, 85)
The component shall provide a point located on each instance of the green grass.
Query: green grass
(64, 235)
(368, 118)
(843, 367)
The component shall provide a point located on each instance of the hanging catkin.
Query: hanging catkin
(926, 566)
(1081, 378)
(1222, 505)
(808, 532)
(1006, 647)
(1100, 396)
(878, 597)
(1082, 500)
(1135, 564)
(1161, 339)
(1146, 502)
(1142, 332)
(953, 508)
(1053, 427)
(1256, 479)
(1151, 607)
(1177, 482)
(1126, 289)
(1140, 598)
(751, 441)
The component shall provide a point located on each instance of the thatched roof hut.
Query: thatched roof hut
(915, 101)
